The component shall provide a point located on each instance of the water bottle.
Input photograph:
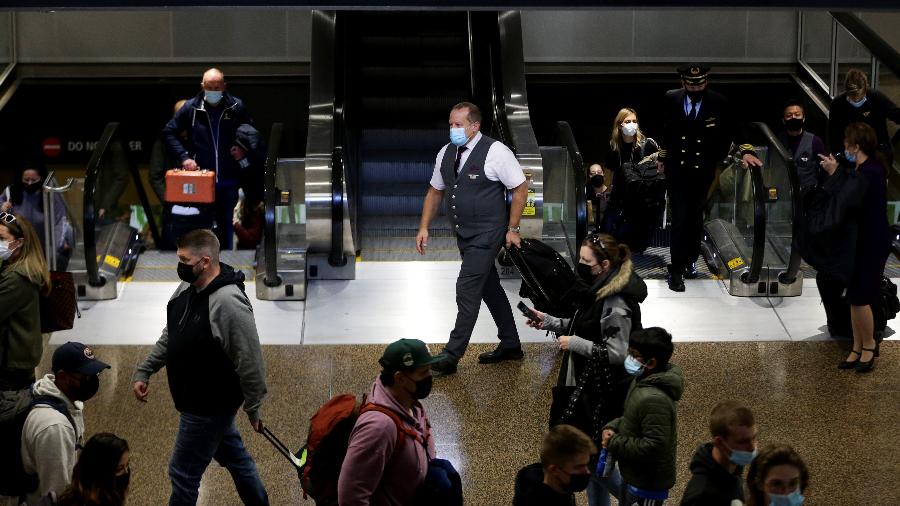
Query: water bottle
(604, 464)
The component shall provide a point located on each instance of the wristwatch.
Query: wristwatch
(513, 229)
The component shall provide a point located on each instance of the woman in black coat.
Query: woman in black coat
(872, 243)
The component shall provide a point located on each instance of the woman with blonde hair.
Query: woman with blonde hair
(24, 276)
(633, 217)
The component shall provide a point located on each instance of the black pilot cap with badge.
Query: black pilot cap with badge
(406, 354)
(693, 73)
(77, 358)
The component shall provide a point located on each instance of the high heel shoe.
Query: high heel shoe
(850, 364)
(861, 366)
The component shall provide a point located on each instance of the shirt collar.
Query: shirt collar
(471, 144)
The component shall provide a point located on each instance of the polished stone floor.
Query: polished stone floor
(488, 419)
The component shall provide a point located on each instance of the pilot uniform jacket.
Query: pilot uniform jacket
(691, 149)
(474, 203)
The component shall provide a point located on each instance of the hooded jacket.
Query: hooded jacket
(49, 442)
(531, 491)
(711, 484)
(376, 471)
(646, 434)
(21, 344)
(215, 323)
(211, 138)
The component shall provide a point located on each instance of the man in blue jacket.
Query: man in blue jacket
(211, 120)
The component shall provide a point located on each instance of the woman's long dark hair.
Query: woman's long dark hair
(17, 188)
(94, 476)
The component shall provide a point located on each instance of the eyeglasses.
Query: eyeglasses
(7, 217)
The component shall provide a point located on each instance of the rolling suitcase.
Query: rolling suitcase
(190, 186)
(547, 279)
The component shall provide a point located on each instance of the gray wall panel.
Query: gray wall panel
(91, 35)
(885, 24)
(772, 34)
(577, 35)
(299, 26)
(648, 35)
(222, 34)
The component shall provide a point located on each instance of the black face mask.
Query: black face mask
(122, 482)
(423, 388)
(577, 483)
(186, 273)
(32, 187)
(696, 96)
(584, 272)
(87, 388)
(794, 124)
(596, 180)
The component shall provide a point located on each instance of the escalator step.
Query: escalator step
(391, 204)
(412, 107)
(376, 171)
(418, 139)
(432, 77)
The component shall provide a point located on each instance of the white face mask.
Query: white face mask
(5, 252)
(629, 129)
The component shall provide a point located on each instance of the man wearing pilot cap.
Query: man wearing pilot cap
(697, 134)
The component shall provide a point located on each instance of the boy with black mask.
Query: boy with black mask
(644, 439)
(52, 434)
(563, 470)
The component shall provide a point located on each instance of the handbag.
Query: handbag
(59, 307)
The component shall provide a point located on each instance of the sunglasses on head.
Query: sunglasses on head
(7, 217)
(596, 240)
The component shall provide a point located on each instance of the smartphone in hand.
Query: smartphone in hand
(531, 315)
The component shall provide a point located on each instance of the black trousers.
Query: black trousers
(478, 280)
(837, 309)
(687, 199)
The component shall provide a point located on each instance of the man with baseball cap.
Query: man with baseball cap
(54, 429)
(391, 443)
(697, 134)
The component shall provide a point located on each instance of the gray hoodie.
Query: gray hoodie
(49, 442)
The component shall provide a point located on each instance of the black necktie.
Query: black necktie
(459, 152)
(693, 114)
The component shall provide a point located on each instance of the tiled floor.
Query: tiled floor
(488, 419)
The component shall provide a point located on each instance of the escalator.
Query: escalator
(404, 72)
(748, 239)
(103, 254)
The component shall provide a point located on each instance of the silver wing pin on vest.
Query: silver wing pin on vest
(473, 176)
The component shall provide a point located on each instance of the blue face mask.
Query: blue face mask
(632, 366)
(458, 136)
(741, 458)
(795, 498)
(857, 104)
(212, 97)
(851, 157)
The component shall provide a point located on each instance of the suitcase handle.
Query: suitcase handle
(178, 169)
(281, 447)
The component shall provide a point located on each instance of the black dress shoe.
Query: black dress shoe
(691, 272)
(500, 354)
(444, 367)
(863, 367)
(675, 281)
(850, 364)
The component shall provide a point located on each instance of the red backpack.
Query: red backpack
(319, 462)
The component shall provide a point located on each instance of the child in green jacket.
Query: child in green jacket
(644, 439)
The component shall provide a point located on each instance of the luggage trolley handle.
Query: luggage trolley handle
(281, 447)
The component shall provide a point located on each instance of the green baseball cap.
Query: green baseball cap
(406, 354)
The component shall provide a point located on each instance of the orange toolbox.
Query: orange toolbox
(190, 186)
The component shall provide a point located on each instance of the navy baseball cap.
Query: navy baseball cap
(76, 357)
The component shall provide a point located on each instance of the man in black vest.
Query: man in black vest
(697, 134)
(472, 175)
(802, 144)
(211, 352)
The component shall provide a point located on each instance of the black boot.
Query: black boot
(675, 279)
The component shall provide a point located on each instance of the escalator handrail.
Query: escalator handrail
(759, 226)
(793, 267)
(336, 256)
(270, 241)
(90, 187)
(881, 49)
(567, 139)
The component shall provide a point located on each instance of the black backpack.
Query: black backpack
(547, 279)
(14, 408)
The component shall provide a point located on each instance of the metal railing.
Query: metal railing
(271, 197)
(567, 139)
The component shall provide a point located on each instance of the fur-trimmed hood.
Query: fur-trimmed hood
(622, 281)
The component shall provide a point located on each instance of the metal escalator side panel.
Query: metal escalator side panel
(517, 117)
(289, 241)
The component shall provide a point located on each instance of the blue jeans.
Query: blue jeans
(201, 439)
(601, 489)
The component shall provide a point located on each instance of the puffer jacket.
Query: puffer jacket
(646, 435)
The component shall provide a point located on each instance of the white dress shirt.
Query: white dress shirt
(500, 165)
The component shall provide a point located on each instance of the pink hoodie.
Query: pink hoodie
(375, 471)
